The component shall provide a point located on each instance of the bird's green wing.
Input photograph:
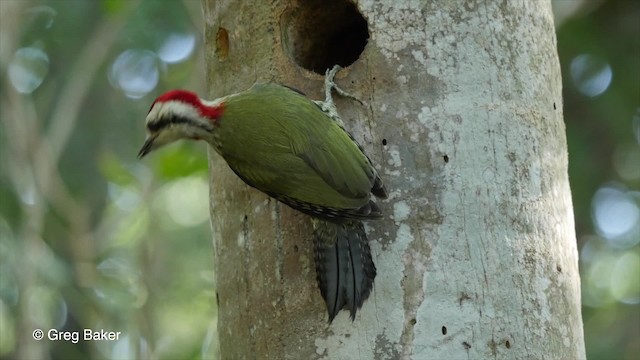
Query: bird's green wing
(297, 149)
(338, 161)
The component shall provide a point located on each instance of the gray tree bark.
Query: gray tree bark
(477, 254)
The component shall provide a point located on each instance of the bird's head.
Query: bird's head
(179, 114)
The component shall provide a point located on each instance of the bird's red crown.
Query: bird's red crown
(187, 97)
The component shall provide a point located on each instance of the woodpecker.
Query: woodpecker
(297, 151)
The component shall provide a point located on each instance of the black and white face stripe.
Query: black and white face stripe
(174, 120)
(161, 123)
(164, 115)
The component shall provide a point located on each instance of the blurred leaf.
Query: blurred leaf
(114, 170)
(180, 160)
(112, 7)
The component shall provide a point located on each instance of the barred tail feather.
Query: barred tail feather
(344, 267)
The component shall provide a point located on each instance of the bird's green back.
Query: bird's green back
(282, 143)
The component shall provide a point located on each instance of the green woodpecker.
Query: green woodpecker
(295, 150)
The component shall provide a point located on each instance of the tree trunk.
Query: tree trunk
(477, 255)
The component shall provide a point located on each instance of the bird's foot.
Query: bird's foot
(330, 84)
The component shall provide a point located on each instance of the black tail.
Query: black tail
(344, 267)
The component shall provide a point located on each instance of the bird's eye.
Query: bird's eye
(154, 126)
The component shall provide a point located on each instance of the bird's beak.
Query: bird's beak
(147, 146)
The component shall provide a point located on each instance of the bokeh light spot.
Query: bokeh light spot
(615, 214)
(186, 201)
(46, 308)
(28, 68)
(177, 47)
(123, 197)
(626, 161)
(597, 280)
(625, 279)
(135, 72)
(591, 75)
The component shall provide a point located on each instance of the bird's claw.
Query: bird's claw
(329, 84)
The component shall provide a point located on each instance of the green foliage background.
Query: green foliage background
(91, 237)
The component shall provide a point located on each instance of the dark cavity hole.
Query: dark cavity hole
(507, 344)
(318, 34)
(384, 142)
(444, 330)
(446, 158)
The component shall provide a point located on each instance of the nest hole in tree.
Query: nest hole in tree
(222, 43)
(318, 34)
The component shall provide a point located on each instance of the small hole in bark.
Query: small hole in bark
(444, 330)
(554, 106)
(318, 34)
(507, 344)
(222, 43)
(295, 248)
(446, 158)
(412, 322)
(559, 268)
(384, 142)
(466, 345)
(217, 299)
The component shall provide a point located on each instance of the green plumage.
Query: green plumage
(300, 155)
(296, 152)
